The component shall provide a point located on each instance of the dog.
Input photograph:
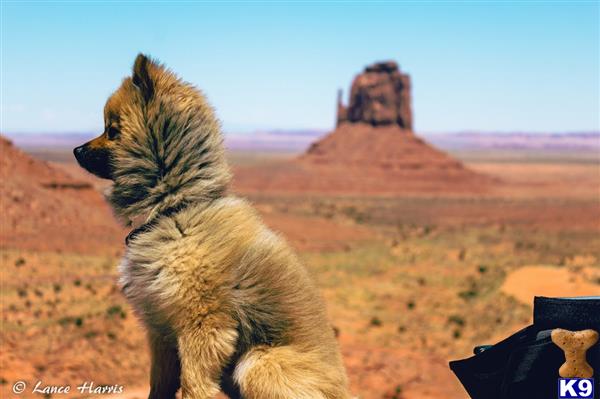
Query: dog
(226, 303)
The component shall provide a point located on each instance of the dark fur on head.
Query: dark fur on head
(163, 141)
(141, 77)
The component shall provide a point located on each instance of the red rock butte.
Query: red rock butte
(373, 149)
(379, 96)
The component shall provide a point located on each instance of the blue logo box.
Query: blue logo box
(575, 388)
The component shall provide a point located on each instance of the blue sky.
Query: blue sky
(510, 66)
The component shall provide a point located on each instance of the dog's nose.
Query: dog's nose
(78, 151)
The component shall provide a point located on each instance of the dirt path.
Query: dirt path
(552, 281)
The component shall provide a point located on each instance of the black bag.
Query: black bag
(525, 365)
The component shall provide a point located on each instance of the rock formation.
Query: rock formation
(379, 96)
(373, 149)
(45, 208)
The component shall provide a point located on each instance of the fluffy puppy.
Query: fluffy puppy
(226, 302)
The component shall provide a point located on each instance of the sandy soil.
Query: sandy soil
(551, 281)
(568, 180)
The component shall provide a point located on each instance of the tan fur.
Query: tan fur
(227, 303)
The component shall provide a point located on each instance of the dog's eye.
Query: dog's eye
(112, 133)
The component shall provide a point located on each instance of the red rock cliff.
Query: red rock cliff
(379, 96)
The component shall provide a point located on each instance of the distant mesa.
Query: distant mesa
(380, 103)
(379, 96)
(373, 149)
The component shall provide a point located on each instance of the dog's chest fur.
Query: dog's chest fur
(184, 259)
(136, 283)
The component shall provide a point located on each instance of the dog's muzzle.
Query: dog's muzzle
(94, 160)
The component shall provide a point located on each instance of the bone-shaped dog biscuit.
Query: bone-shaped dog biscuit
(575, 344)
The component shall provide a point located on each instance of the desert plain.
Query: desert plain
(411, 280)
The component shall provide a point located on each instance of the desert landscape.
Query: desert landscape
(421, 253)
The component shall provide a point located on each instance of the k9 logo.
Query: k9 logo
(575, 388)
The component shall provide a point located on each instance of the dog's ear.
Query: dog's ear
(142, 76)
